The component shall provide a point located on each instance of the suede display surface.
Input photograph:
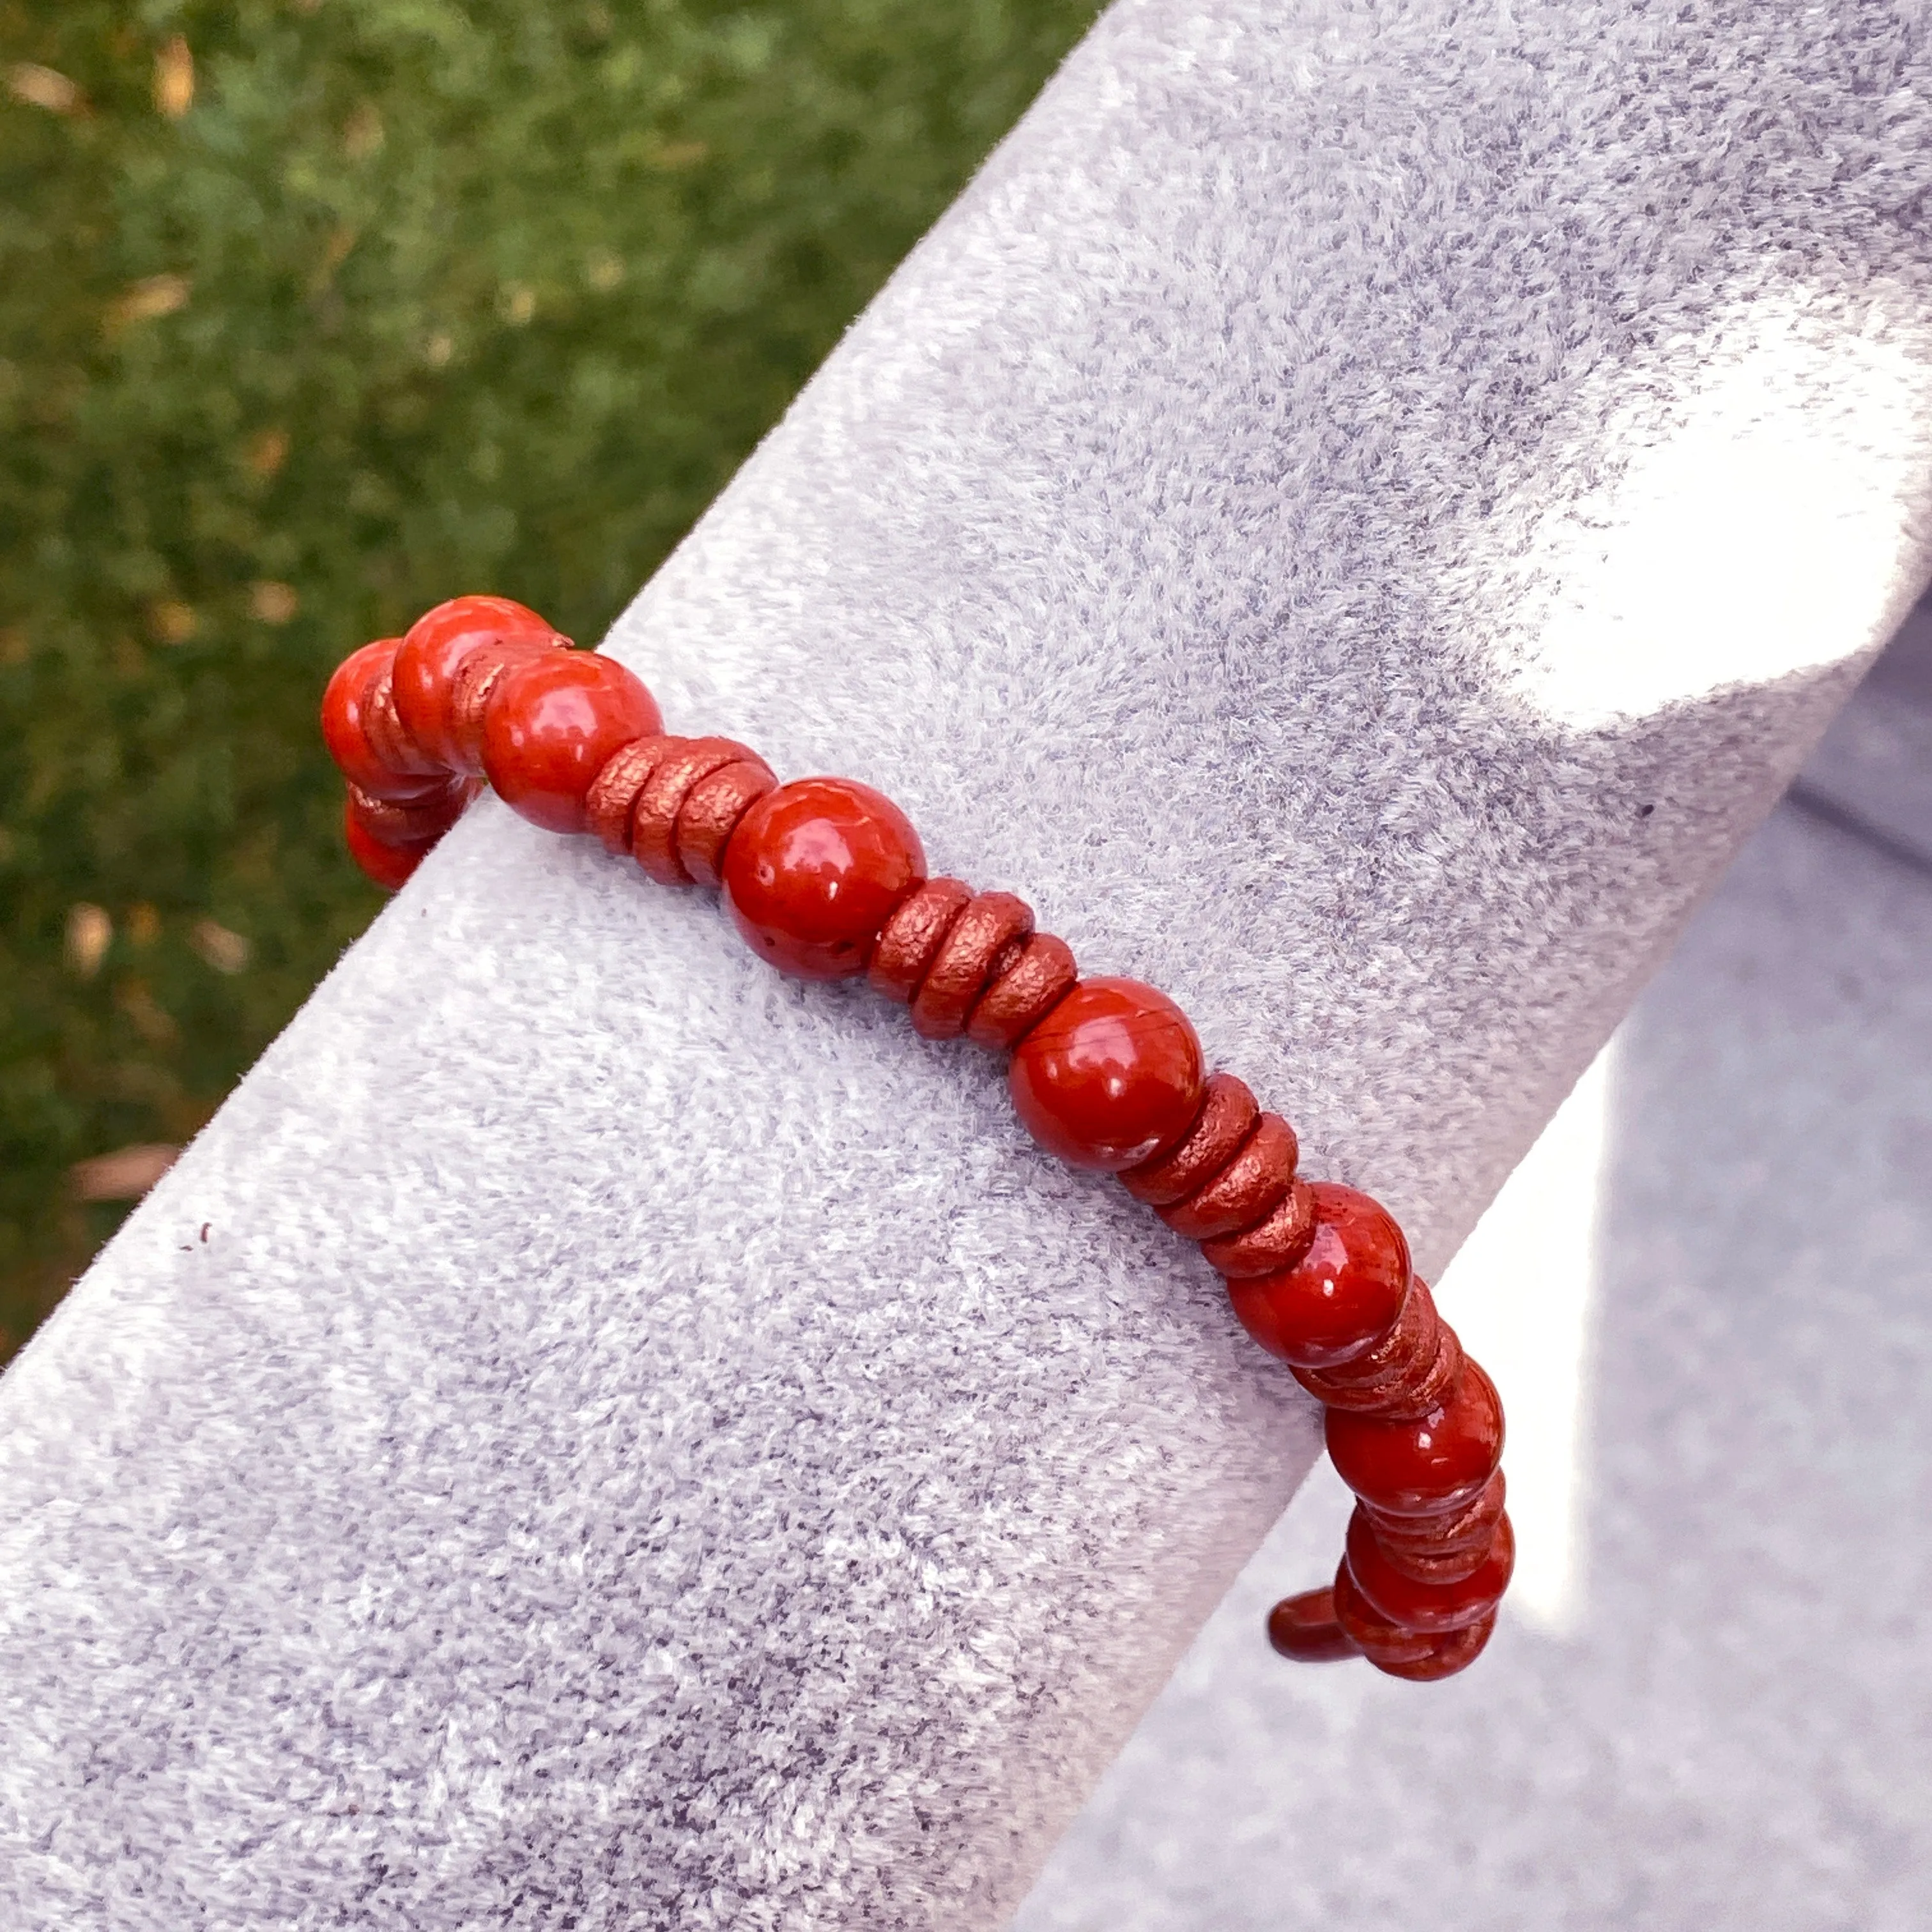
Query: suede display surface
(1355, 515)
(1734, 1726)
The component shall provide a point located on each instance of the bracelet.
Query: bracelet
(825, 878)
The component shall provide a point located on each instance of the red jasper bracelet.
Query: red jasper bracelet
(825, 878)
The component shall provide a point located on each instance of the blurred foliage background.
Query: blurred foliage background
(312, 313)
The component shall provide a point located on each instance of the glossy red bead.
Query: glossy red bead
(1304, 1629)
(814, 870)
(552, 723)
(432, 652)
(1430, 1606)
(1110, 1076)
(389, 865)
(418, 822)
(346, 708)
(1420, 1656)
(1443, 1656)
(1342, 1296)
(1434, 1463)
(1444, 1548)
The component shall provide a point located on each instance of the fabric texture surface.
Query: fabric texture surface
(1356, 513)
(1729, 1724)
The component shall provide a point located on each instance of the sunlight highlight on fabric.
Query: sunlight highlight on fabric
(1522, 1292)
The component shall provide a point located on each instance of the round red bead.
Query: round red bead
(1344, 1293)
(814, 871)
(389, 865)
(417, 823)
(345, 706)
(1110, 1076)
(551, 724)
(1452, 1652)
(1430, 1606)
(1435, 1463)
(433, 650)
(1441, 1549)
(1380, 1639)
(1420, 1656)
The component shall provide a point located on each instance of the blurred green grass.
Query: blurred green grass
(314, 313)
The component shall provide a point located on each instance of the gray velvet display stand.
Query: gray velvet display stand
(1709, 1289)
(1356, 513)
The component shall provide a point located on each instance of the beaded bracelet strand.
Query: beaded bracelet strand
(825, 878)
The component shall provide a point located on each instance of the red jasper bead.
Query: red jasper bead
(1304, 1629)
(1417, 1655)
(553, 722)
(1444, 1656)
(1344, 1293)
(389, 865)
(814, 871)
(1110, 1076)
(1441, 1549)
(347, 707)
(1434, 1463)
(412, 822)
(1429, 1606)
(432, 652)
